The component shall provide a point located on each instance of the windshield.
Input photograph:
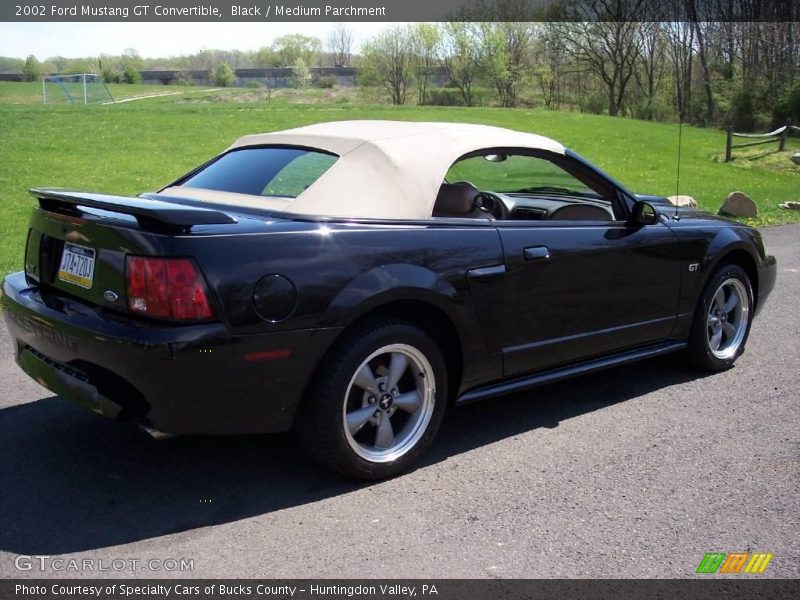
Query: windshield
(263, 171)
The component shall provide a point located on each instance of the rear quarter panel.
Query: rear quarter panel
(341, 271)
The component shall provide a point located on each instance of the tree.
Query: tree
(203, 60)
(551, 67)
(506, 51)
(131, 57)
(340, 45)
(387, 60)
(650, 72)
(609, 44)
(265, 57)
(425, 38)
(461, 56)
(32, 70)
(301, 76)
(691, 10)
(59, 62)
(80, 65)
(680, 51)
(223, 75)
(8, 64)
(292, 47)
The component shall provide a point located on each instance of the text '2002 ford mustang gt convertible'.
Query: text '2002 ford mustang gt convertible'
(350, 280)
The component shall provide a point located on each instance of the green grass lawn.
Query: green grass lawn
(139, 146)
(31, 92)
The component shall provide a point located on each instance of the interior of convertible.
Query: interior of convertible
(499, 185)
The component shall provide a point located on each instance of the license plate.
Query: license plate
(77, 265)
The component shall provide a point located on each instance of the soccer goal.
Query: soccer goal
(81, 88)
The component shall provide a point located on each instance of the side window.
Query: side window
(515, 174)
(535, 188)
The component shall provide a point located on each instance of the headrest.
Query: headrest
(455, 199)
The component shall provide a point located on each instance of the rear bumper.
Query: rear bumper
(187, 379)
(767, 273)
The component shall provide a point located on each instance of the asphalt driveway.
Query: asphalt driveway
(634, 472)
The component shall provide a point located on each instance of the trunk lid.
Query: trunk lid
(78, 241)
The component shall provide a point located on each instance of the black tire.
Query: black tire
(700, 351)
(333, 393)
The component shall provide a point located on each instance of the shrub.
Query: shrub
(448, 96)
(223, 75)
(110, 75)
(301, 76)
(762, 121)
(482, 96)
(740, 112)
(182, 78)
(657, 110)
(444, 97)
(371, 94)
(787, 107)
(723, 69)
(595, 103)
(327, 82)
(130, 75)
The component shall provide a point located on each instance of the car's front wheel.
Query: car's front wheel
(376, 402)
(722, 319)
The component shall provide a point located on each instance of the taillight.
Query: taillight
(167, 288)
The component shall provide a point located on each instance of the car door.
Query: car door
(576, 290)
(577, 286)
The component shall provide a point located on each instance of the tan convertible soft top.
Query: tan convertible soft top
(386, 169)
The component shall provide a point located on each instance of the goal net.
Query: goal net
(81, 88)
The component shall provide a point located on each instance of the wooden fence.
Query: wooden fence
(779, 135)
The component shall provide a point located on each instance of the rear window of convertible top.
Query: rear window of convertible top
(263, 171)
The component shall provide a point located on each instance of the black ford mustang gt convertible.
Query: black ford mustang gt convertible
(350, 280)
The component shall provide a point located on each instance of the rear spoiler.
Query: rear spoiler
(149, 212)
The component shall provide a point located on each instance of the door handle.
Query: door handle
(536, 252)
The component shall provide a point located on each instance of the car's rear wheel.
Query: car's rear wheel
(722, 319)
(375, 404)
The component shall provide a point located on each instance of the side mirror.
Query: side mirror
(644, 213)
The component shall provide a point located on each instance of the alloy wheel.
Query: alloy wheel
(727, 318)
(389, 403)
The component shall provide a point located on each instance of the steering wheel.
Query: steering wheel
(492, 204)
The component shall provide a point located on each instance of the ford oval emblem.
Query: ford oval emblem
(110, 296)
